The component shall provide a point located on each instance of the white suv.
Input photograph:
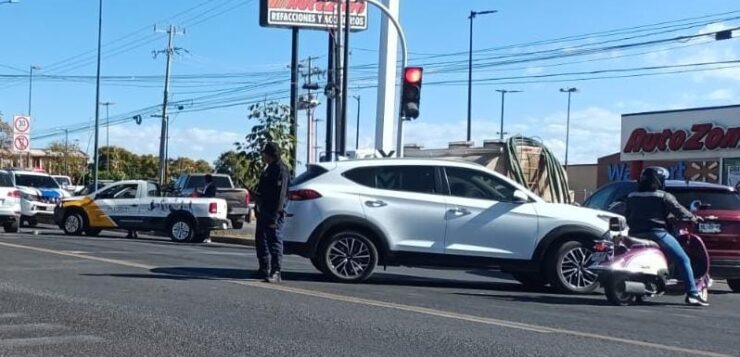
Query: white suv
(10, 203)
(350, 216)
(40, 194)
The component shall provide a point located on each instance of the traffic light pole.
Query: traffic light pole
(404, 61)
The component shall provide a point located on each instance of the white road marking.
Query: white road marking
(30, 327)
(400, 307)
(10, 315)
(55, 340)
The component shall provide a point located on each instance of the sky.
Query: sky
(248, 63)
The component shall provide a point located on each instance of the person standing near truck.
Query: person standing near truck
(272, 193)
(210, 189)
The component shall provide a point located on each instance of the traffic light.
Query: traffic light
(411, 94)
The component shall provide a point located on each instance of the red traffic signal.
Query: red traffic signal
(411, 92)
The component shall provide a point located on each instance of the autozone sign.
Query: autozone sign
(315, 14)
(708, 133)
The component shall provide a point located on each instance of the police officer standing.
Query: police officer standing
(272, 195)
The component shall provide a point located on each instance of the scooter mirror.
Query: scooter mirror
(617, 224)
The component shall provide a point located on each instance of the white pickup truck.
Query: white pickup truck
(139, 205)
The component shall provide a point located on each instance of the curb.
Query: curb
(246, 241)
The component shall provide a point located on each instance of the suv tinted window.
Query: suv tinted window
(35, 181)
(719, 200)
(312, 172)
(5, 180)
(419, 179)
(468, 183)
(199, 181)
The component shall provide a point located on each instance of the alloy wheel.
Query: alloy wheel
(181, 231)
(574, 268)
(349, 257)
(72, 223)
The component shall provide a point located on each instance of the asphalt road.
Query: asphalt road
(111, 296)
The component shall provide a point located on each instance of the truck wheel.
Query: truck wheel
(566, 268)
(181, 230)
(733, 283)
(201, 237)
(73, 224)
(237, 223)
(11, 227)
(349, 256)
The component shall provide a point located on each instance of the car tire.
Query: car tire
(533, 280)
(73, 223)
(734, 285)
(11, 227)
(237, 223)
(565, 268)
(317, 263)
(92, 232)
(201, 237)
(181, 230)
(348, 256)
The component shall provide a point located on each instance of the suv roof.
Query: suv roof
(346, 164)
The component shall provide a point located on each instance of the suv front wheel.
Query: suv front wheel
(567, 268)
(348, 256)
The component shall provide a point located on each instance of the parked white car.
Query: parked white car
(65, 182)
(10, 203)
(40, 193)
(350, 216)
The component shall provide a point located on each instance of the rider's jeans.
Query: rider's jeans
(670, 245)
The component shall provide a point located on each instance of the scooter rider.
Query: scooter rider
(647, 214)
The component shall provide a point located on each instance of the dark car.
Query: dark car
(718, 205)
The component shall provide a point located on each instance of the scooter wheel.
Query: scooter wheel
(614, 289)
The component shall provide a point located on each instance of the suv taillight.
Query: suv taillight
(14, 194)
(247, 198)
(303, 195)
(213, 208)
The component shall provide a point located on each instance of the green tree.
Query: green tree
(272, 125)
(234, 164)
(66, 159)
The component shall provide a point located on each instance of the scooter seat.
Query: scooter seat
(642, 243)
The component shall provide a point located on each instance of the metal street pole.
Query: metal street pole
(30, 86)
(171, 32)
(294, 98)
(342, 140)
(503, 96)
(96, 160)
(66, 151)
(107, 134)
(570, 91)
(472, 16)
(338, 84)
(357, 126)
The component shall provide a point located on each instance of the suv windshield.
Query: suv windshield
(714, 199)
(35, 181)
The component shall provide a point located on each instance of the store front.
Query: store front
(701, 144)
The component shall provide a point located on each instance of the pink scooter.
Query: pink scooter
(632, 269)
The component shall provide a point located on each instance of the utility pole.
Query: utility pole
(329, 91)
(96, 160)
(570, 91)
(107, 134)
(503, 97)
(294, 98)
(66, 152)
(30, 86)
(309, 103)
(357, 126)
(169, 52)
(345, 74)
(338, 81)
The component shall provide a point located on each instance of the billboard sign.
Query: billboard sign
(695, 134)
(311, 14)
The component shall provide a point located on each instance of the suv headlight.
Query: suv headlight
(29, 197)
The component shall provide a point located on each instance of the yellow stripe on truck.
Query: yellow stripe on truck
(95, 216)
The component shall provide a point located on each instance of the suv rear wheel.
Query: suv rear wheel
(347, 256)
(734, 285)
(566, 268)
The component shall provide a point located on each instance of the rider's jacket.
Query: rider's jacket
(650, 210)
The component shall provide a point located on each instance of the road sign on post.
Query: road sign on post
(21, 133)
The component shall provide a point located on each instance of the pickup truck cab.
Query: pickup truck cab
(139, 205)
(237, 199)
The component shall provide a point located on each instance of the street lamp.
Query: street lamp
(357, 135)
(570, 91)
(30, 85)
(503, 96)
(472, 16)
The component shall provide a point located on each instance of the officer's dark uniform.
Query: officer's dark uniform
(272, 193)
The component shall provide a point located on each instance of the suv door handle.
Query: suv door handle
(459, 212)
(375, 204)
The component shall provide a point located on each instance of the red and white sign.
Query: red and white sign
(704, 133)
(312, 14)
(21, 133)
(21, 143)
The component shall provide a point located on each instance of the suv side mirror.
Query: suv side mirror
(520, 197)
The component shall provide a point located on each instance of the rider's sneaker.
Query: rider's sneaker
(696, 300)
